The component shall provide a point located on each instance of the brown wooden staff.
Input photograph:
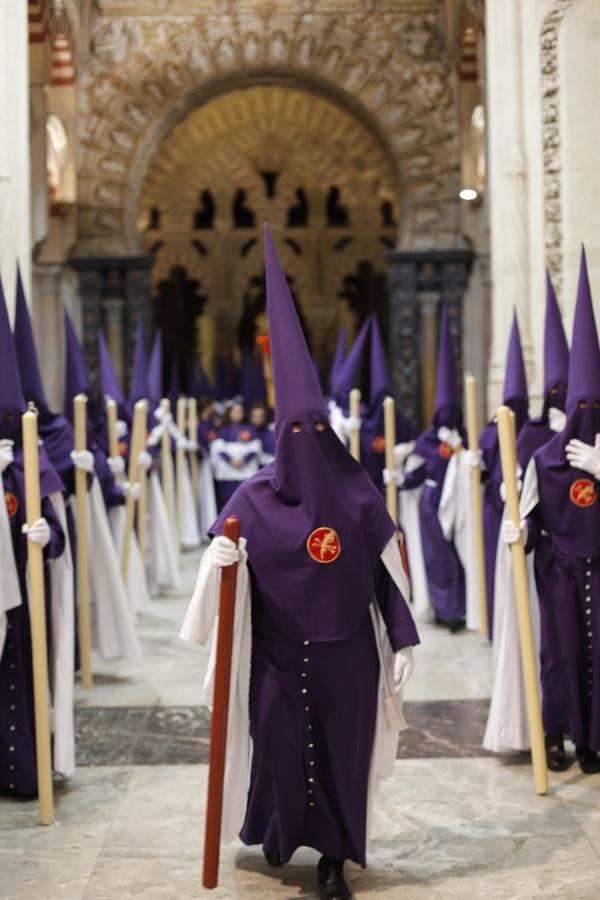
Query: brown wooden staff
(136, 446)
(391, 490)
(355, 413)
(218, 734)
(476, 505)
(193, 436)
(508, 453)
(166, 460)
(37, 617)
(142, 506)
(83, 580)
(111, 422)
(180, 465)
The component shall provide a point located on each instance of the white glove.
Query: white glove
(557, 419)
(83, 460)
(155, 436)
(131, 490)
(352, 423)
(513, 533)
(145, 460)
(38, 533)
(473, 458)
(403, 451)
(584, 456)
(502, 488)
(121, 428)
(223, 552)
(404, 665)
(7, 455)
(393, 475)
(449, 436)
(116, 464)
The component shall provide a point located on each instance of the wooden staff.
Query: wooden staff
(508, 453)
(193, 436)
(355, 413)
(111, 421)
(166, 461)
(142, 506)
(391, 490)
(218, 733)
(137, 442)
(37, 617)
(180, 464)
(477, 509)
(83, 580)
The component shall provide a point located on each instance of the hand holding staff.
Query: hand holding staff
(355, 413)
(508, 453)
(83, 583)
(218, 734)
(37, 615)
(477, 510)
(391, 490)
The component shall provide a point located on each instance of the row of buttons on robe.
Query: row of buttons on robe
(588, 625)
(310, 745)
(12, 707)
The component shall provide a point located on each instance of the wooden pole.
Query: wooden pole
(180, 464)
(355, 413)
(391, 490)
(193, 436)
(37, 616)
(166, 461)
(111, 420)
(143, 481)
(137, 438)
(477, 509)
(218, 733)
(508, 452)
(83, 581)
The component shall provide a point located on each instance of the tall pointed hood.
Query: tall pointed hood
(515, 379)
(446, 395)
(31, 377)
(77, 378)
(584, 362)
(138, 389)
(154, 376)
(380, 381)
(556, 348)
(339, 357)
(11, 392)
(348, 374)
(297, 388)
(109, 382)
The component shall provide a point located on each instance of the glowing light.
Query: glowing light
(468, 194)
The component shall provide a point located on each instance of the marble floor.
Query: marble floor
(452, 821)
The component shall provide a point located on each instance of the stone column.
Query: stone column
(428, 314)
(113, 316)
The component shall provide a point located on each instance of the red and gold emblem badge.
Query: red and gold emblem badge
(245, 436)
(378, 444)
(12, 504)
(445, 450)
(583, 493)
(324, 545)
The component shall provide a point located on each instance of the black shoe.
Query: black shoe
(588, 760)
(455, 625)
(332, 884)
(556, 756)
(273, 858)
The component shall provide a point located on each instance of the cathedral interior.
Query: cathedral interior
(409, 157)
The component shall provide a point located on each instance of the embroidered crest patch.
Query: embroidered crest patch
(245, 436)
(378, 444)
(12, 504)
(445, 450)
(583, 493)
(324, 545)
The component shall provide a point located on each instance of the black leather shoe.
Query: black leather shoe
(555, 753)
(456, 625)
(332, 884)
(273, 858)
(588, 760)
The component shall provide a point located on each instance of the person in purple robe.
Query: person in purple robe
(516, 398)
(235, 453)
(434, 449)
(200, 385)
(323, 630)
(348, 376)
(77, 381)
(561, 523)
(17, 719)
(539, 430)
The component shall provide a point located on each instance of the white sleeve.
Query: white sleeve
(201, 612)
(392, 560)
(530, 495)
